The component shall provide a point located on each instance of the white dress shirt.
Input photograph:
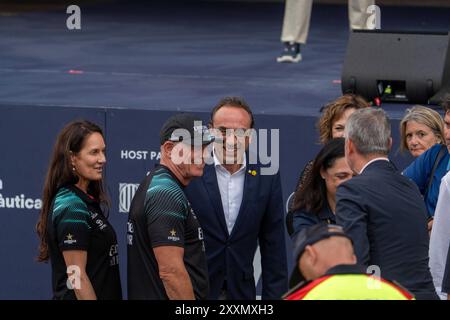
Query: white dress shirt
(231, 188)
(440, 235)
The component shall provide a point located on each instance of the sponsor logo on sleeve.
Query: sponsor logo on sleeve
(173, 235)
(69, 239)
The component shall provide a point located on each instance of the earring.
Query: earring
(73, 169)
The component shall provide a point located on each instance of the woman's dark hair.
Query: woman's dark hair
(70, 140)
(311, 195)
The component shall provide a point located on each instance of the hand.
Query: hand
(430, 225)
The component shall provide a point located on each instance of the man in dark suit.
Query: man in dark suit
(238, 206)
(381, 210)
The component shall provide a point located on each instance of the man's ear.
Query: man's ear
(167, 148)
(390, 143)
(350, 146)
(311, 254)
(250, 133)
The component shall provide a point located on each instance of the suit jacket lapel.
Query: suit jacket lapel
(210, 180)
(250, 187)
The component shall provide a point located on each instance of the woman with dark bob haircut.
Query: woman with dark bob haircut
(315, 200)
(74, 232)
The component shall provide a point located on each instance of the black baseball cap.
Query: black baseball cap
(185, 127)
(310, 236)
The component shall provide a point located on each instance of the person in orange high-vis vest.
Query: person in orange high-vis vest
(325, 259)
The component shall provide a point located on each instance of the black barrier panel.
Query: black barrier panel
(397, 66)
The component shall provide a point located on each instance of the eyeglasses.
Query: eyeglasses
(228, 132)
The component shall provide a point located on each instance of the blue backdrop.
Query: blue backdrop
(132, 137)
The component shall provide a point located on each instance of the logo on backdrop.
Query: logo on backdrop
(260, 141)
(126, 194)
(19, 201)
(140, 155)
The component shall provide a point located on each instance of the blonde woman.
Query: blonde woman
(420, 129)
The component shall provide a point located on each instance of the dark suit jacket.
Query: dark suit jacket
(261, 217)
(384, 214)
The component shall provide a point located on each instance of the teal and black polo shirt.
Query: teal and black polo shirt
(160, 215)
(77, 222)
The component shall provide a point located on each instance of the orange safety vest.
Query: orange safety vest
(349, 287)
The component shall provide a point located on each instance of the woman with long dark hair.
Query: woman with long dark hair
(74, 232)
(331, 125)
(315, 200)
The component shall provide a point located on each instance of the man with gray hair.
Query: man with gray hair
(381, 210)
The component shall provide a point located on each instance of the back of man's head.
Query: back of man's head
(320, 257)
(370, 131)
(318, 248)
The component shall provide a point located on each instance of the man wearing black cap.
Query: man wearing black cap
(166, 253)
(325, 258)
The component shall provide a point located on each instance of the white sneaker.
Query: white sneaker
(290, 58)
(291, 53)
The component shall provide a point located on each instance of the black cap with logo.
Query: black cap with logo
(186, 128)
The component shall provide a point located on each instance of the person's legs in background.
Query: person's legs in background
(297, 15)
(357, 13)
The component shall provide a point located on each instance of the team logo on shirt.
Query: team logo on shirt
(200, 234)
(114, 255)
(70, 239)
(173, 235)
(98, 220)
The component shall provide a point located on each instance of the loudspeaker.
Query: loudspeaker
(397, 66)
